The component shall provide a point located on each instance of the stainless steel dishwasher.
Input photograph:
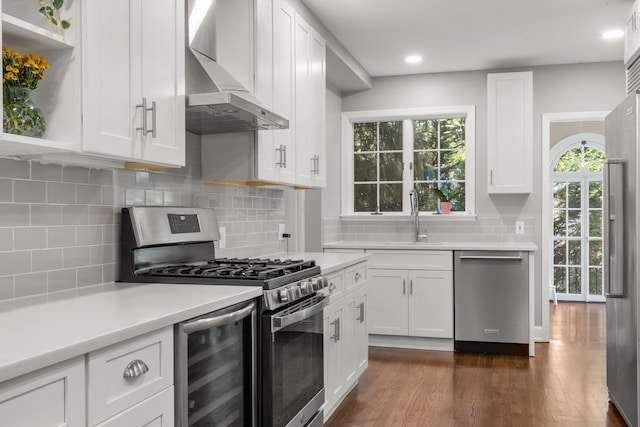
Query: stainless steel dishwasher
(491, 294)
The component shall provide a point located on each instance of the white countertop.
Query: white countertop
(35, 334)
(330, 262)
(445, 246)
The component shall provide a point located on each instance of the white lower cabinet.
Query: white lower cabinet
(157, 411)
(128, 384)
(125, 374)
(409, 305)
(51, 397)
(345, 334)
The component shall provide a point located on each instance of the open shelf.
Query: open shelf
(21, 35)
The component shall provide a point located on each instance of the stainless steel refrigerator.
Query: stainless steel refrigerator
(621, 256)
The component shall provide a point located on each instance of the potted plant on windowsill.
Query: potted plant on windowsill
(444, 198)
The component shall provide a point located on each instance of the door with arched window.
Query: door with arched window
(576, 191)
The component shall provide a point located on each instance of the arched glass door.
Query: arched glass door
(576, 180)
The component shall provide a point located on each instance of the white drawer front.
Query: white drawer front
(109, 392)
(355, 275)
(336, 286)
(154, 412)
(423, 260)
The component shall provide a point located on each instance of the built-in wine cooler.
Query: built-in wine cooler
(215, 366)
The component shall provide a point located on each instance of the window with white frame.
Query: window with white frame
(387, 153)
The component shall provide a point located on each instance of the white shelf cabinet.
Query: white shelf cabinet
(510, 133)
(58, 94)
(411, 296)
(140, 64)
(51, 397)
(345, 334)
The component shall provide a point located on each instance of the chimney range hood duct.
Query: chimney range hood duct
(225, 105)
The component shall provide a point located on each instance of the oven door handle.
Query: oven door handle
(223, 319)
(279, 322)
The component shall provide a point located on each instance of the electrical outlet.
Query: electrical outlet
(519, 227)
(222, 243)
(281, 231)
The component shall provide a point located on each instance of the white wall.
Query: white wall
(559, 88)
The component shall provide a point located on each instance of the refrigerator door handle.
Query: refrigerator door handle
(613, 198)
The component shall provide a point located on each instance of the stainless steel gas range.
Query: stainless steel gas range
(253, 364)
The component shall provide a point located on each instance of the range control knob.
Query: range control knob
(319, 283)
(306, 288)
(284, 295)
(296, 292)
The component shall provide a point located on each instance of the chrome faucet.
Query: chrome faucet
(415, 213)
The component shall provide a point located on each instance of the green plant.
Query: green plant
(444, 194)
(50, 9)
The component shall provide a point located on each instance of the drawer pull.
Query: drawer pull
(135, 368)
(357, 276)
(332, 286)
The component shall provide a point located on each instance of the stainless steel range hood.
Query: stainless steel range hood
(216, 101)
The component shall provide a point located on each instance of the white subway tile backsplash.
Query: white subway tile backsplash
(101, 177)
(153, 198)
(89, 235)
(6, 190)
(90, 275)
(10, 168)
(75, 174)
(16, 262)
(6, 239)
(75, 215)
(46, 215)
(101, 215)
(88, 194)
(61, 280)
(29, 191)
(30, 284)
(76, 257)
(29, 237)
(46, 259)
(6, 288)
(61, 193)
(46, 172)
(58, 237)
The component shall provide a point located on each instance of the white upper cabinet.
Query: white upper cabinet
(310, 106)
(58, 94)
(291, 80)
(133, 80)
(510, 133)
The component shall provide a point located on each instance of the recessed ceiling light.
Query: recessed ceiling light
(413, 59)
(612, 34)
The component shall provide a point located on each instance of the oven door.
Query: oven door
(292, 363)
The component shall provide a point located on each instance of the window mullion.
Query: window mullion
(407, 160)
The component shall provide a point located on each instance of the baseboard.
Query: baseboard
(437, 344)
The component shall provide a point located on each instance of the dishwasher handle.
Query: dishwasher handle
(492, 257)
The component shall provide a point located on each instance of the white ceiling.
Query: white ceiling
(458, 35)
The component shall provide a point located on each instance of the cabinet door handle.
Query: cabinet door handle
(491, 176)
(145, 130)
(153, 120)
(336, 330)
(135, 368)
(404, 286)
(411, 287)
(144, 116)
(282, 151)
(361, 308)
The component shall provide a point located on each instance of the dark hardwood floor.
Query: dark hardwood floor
(564, 385)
